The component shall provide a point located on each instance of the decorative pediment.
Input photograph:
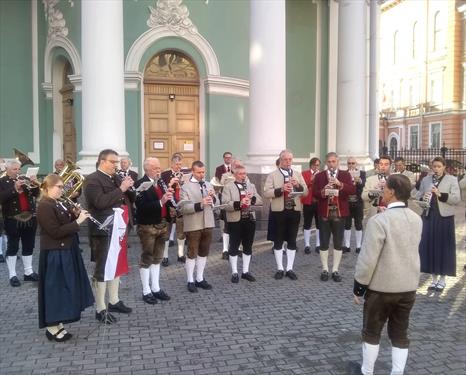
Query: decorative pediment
(172, 14)
(169, 66)
(54, 17)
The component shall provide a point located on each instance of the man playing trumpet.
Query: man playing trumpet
(373, 189)
(18, 200)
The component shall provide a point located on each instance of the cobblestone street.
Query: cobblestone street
(266, 327)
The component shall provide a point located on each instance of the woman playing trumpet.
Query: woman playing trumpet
(64, 288)
(438, 246)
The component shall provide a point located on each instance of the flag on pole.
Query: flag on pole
(117, 257)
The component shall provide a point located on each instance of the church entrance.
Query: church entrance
(171, 108)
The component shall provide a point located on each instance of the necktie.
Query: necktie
(228, 169)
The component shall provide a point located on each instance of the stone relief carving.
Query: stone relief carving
(54, 17)
(173, 14)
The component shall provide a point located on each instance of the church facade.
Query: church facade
(154, 77)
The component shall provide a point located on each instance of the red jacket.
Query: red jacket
(309, 180)
(348, 188)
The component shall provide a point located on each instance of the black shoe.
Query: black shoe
(247, 276)
(358, 250)
(307, 250)
(279, 274)
(345, 249)
(105, 317)
(54, 337)
(324, 276)
(432, 286)
(2, 258)
(149, 298)
(32, 277)
(182, 259)
(336, 277)
(225, 255)
(164, 262)
(171, 243)
(119, 307)
(203, 285)
(14, 281)
(317, 249)
(291, 275)
(354, 368)
(192, 288)
(235, 278)
(161, 295)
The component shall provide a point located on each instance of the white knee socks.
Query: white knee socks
(27, 263)
(336, 259)
(246, 261)
(200, 266)
(307, 237)
(100, 288)
(172, 232)
(317, 238)
(181, 248)
(11, 263)
(226, 241)
(358, 239)
(279, 258)
(189, 265)
(324, 259)
(347, 237)
(155, 277)
(113, 287)
(234, 264)
(290, 254)
(165, 249)
(145, 277)
(399, 358)
(369, 356)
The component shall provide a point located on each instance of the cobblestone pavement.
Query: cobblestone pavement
(267, 327)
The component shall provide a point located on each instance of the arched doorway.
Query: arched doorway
(393, 146)
(171, 107)
(69, 130)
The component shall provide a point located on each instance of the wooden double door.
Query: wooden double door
(171, 116)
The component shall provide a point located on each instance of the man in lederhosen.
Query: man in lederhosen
(152, 214)
(173, 179)
(280, 187)
(239, 196)
(18, 200)
(331, 189)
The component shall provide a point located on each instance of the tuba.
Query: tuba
(72, 182)
(22, 158)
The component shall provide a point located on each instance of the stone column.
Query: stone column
(352, 119)
(103, 104)
(374, 97)
(267, 92)
(267, 85)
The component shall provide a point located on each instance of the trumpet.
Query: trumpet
(26, 181)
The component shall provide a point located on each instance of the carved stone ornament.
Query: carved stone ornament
(172, 14)
(55, 19)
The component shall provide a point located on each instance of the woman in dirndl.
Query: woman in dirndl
(64, 288)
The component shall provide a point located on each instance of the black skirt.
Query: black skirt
(438, 244)
(64, 288)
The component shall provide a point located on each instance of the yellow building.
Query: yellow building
(422, 70)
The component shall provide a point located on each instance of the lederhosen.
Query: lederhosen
(152, 225)
(19, 215)
(332, 224)
(242, 231)
(287, 221)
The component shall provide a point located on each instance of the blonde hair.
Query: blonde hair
(49, 181)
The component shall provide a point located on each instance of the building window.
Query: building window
(435, 137)
(439, 31)
(464, 133)
(414, 41)
(414, 137)
(436, 88)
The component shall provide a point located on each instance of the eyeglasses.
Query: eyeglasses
(60, 186)
(112, 161)
(351, 163)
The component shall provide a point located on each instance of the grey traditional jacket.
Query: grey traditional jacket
(272, 190)
(195, 215)
(450, 193)
(231, 197)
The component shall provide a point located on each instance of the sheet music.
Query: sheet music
(32, 171)
(144, 186)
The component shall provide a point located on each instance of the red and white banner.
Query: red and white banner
(117, 257)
